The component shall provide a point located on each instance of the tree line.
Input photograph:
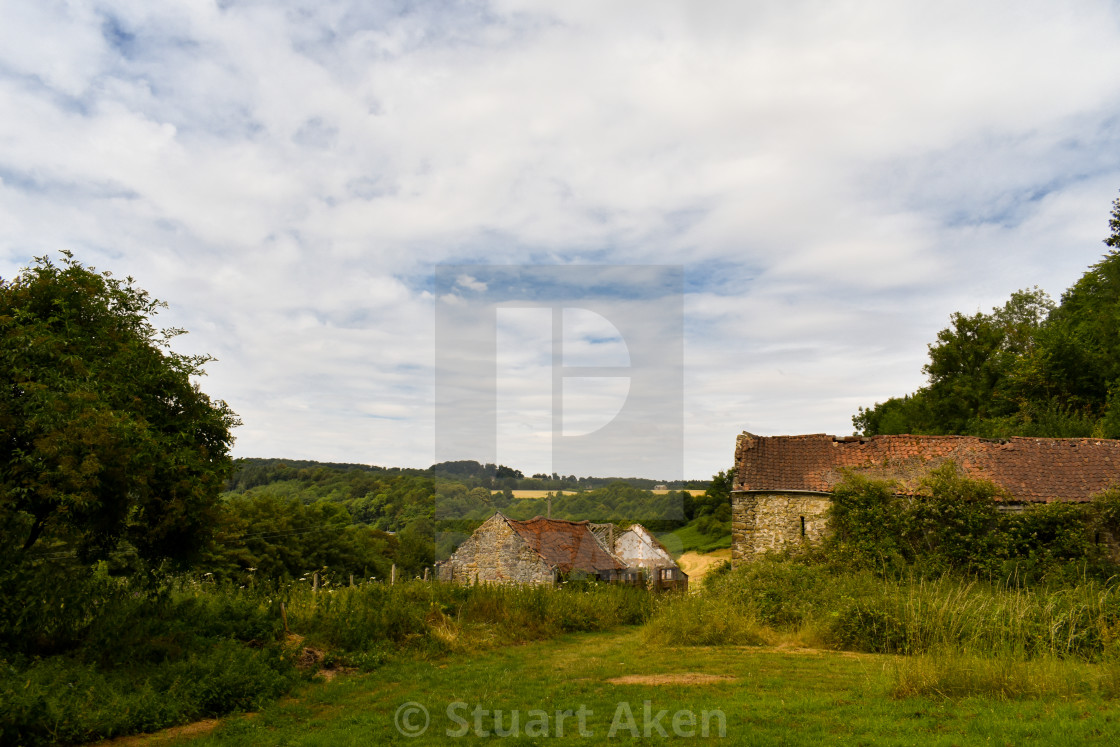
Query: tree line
(1031, 367)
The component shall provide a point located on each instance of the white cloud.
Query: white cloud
(835, 178)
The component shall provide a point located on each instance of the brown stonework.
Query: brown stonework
(536, 551)
(782, 486)
(765, 522)
(496, 553)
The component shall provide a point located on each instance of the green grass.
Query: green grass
(689, 539)
(138, 662)
(777, 697)
(815, 654)
(860, 611)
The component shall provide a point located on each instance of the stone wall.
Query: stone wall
(635, 547)
(762, 522)
(495, 553)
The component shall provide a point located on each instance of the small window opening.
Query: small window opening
(802, 526)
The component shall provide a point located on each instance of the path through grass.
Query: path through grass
(775, 697)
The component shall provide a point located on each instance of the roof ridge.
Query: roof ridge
(543, 518)
(1029, 468)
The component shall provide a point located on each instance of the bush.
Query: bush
(953, 525)
(66, 700)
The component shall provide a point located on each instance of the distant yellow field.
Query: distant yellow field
(543, 493)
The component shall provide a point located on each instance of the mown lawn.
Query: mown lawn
(776, 697)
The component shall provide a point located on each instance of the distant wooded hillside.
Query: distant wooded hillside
(288, 517)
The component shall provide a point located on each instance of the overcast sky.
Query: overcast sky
(834, 178)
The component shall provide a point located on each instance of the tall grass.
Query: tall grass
(448, 617)
(961, 635)
(141, 659)
(950, 675)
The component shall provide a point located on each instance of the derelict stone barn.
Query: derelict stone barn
(643, 553)
(545, 551)
(782, 487)
(537, 551)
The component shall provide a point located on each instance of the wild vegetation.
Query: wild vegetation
(275, 514)
(106, 657)
(146, 580)
(979, 601)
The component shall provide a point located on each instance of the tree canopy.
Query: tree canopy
(104, 437)
(1028, 368)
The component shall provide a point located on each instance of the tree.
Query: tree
(907, 414)
(1114, 224)
(970, 364)
(103, 435)
(713, 509)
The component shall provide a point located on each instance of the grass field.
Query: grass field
(689, 539)
(765, 696)
(544, 493)
(534, 493)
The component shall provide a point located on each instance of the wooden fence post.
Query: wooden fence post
(393, 575)
(315, 582)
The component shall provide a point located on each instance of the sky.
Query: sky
(830, 179)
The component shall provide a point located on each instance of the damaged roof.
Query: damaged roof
(1029, 469)
(567, 545)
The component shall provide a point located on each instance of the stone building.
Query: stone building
(536, 551)
(783, 484)
(544, 551)
(640, 550)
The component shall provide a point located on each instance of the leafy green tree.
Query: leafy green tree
(1029, 368)
(262, 535)
(1114, 225)
(971, 361)
(1077, 361)
(103, 435)
(969, 371)
(866, 519)
(908, 414)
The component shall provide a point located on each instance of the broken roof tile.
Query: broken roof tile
(1030, 469)
(568, 545)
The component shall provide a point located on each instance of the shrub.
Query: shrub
(954, 525)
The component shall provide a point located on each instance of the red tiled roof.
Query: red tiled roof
(1029, 469)
(568, 545)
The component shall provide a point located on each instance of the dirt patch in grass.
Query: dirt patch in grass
(686, 678)
(696, 564)
(175, 733)
(791, 649)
